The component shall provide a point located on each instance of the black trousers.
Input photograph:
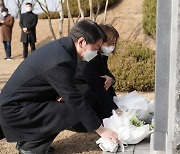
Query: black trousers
(40, 146)
(1, 134)
(25, 48)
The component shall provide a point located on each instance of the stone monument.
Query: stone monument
(166, 138)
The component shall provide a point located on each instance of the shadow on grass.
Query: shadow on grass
(17, 56)
(43, 42)
(111, 7)
(77, 143)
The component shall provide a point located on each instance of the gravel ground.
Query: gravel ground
(67, 142)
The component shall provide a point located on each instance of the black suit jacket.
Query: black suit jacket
(28, 107)
(28, 20)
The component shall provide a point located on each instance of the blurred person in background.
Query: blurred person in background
(6, 25)
(28, 22)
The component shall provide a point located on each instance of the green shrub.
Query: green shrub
(149, 17)
(133, 66)
(53, 15)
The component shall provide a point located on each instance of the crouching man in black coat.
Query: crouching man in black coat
(29, 114)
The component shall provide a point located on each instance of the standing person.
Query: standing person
(6, 31)
(28, 22)
(30, 113)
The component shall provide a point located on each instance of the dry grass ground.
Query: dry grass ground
(126, 16)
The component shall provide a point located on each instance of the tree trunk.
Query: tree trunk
(97, 12)
(19, 5)
(45, 9)
(69, 16)
(61, 14)
(51, 28)
(105, 11)
(91, 10)
(80, 9)
(19, 9)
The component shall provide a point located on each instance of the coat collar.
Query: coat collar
(69, 45)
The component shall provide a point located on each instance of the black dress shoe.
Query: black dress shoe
(18, 146)
(51, 149)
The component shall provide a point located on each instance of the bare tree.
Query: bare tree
(80, 9)
(69, 16)
(98, 9)
(91, 10)
(45, 9)
(105, 11)
(92, 15)
(19, 6)
(61, 14)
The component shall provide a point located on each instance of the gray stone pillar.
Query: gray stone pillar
(177, 111)
(167, 107)
(172, 134)
(162, 73)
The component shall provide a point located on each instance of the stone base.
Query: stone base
(152, 151)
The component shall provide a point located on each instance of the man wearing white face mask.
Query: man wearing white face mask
(6, 31)
(89, 54)
(28, 22)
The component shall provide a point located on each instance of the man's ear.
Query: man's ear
(81, 41)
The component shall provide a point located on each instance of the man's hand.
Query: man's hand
(119, 111)
(108, 134)
(108, 81)
(24, 30)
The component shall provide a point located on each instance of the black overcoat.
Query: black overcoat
(28, 106)
(89, 82)
(28, 20)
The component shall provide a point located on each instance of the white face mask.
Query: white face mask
(4, 14)
(107, 50)
(88, 55)
(28, 9)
